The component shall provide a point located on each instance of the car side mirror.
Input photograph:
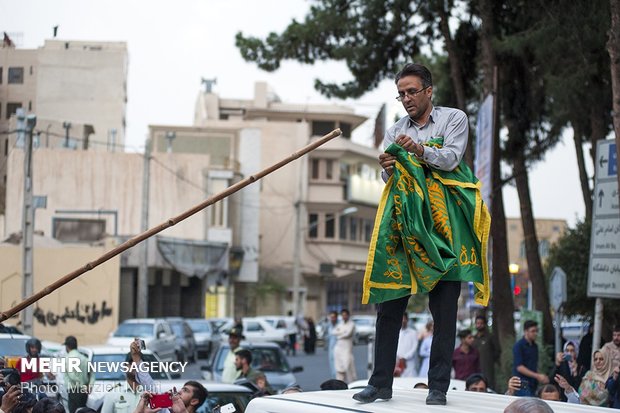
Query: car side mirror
(297, 369)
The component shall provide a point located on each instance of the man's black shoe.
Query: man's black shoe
(372, 393)
(436, 397)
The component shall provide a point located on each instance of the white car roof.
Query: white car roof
(403, 401)
(103, 349)
(407, 383)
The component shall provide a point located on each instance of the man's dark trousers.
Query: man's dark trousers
(442, 301)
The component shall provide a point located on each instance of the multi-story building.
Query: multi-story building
(334, 190)
(77, 89)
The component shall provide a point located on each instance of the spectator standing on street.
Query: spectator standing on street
(291, 332)
(425, 350)
(487, 348)
(567, 367)
(592, 390)
(476, 382)
(33, 351)
(310, 337)
(78, 382)
(331, 341)
(584, 359)
(613, 348)
(127, 398)
(613, 388)
(343, 352)
(407, 348)
(243, 363)
(230, 372)
(525, 356)
(465, 358)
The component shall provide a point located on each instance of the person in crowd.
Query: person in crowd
(243, 363)
(334, 384)
(25, 405)
(549, 392)
(613, 348)
(33, 351)
(10, 398)
(525, 356)
(488, 350)
(331, 341)
(310, 337)
(291, 331)
(48, 405)
(570, 393)
(343, 352)
(295, 388)
(125, 399)
(425, 349)
(592, 389)
(78, 382)
(566, 365)
(465, 358)
(230, 372)
(613, 388)
(407, 349)
(584, 358)
(187, 400)
(528, 405)
(477, 382)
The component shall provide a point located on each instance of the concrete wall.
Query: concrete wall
(86, 307)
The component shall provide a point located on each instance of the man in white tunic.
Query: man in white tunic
(343, 351)
(407, 347)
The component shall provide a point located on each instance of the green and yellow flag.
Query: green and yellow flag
(431, 225)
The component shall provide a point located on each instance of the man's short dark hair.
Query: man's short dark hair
(476, 378)
(245, 354)
(199, 392)
(334, 384)
(617, 328)
(71, 342)
(415, 69)
(481, 317)
(529, 324)
(344, 310)
(463, 334)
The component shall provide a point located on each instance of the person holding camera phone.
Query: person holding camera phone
(525, 354)
(566, 366)
(189, 398)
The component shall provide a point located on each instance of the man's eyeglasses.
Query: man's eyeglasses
(410, 92)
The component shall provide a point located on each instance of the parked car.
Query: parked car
(364, 328)
(204, 334)
(266, 357)
(110, 378)
(404, 401)
(257, 330)
(156, 333)
(186, 343)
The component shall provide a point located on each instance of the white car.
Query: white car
(407, 383)
(156, 333)
(364, 327)
(257, 330)
(405, 401)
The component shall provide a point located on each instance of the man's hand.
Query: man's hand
(514, 384)
(11, 398)
(136, 353)
(542, 378)
(387, 162)
(409, 145)
(143, 404)
(177, 403)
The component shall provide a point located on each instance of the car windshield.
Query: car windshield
(239, 401)
(134, 330)
(13, 347)
(263, 358)
(199, 326)
(110, 367)
(177, 329)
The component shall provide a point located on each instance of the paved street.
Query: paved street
(316, 369)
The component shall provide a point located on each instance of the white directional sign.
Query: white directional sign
(557, 290)
(604, 271)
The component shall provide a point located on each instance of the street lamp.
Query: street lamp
(297, 253)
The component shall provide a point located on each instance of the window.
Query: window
(346, 129)
(367, 230)
(78, 230)
(329, 169)
(320, 128)
(313, 225)
(353, 229)
(343, 228)
(16, 75)
(330, 225)
(522, 253)
(543, 248)
(11, 108)
(314, 168)
(0, 75)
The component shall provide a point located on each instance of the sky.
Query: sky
(172, 45)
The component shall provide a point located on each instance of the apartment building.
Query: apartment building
(334, 191)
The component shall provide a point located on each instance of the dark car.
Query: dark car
(186, 343)
(266, 357)
(205, 335)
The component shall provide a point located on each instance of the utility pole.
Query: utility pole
(25, 128)
(143, 277)
(67, 126)
(297, 261)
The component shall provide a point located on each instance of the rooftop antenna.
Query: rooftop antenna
(55, 30)
(208, 84)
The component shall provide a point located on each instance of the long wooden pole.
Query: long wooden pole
(167, 224)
